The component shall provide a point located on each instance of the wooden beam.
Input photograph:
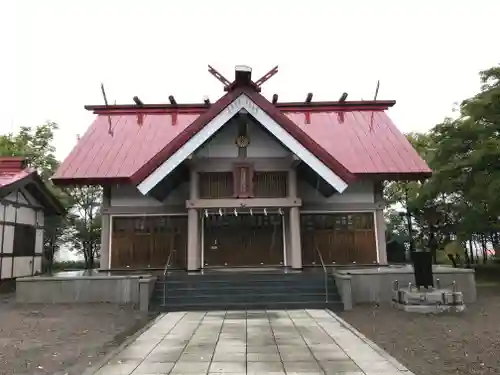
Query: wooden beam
(339, 207)
(144, 210)
(219, 76)
(266, 76)
(226, 164)
(244, 203)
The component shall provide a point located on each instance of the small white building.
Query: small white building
(25, 201)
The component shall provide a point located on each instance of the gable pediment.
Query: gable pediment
(242, 104)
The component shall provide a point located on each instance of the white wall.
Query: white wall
(128, 195)
(6, 268)
(357, 192)
(223, 144)
(264, 145)
(23, 265)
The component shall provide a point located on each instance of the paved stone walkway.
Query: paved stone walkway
(300, 342)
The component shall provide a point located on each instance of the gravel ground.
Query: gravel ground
(65, 339)
(459, 344)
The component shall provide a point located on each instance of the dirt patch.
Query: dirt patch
(459, 344)
(48, 339)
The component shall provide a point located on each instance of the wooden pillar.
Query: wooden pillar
(295, 249)
(292, 183)
(105, 250)
(193, 244)
(295, 239)
(380, 225)
(288, 240)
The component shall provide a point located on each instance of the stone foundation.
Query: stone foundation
(376, 284)
(427, 301)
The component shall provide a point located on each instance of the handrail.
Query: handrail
(165, 270)
(168, 262)
(325, 272)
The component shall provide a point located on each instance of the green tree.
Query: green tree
(36, 144)
(85, 219)
(461, 199)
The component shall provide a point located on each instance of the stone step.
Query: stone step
(178, 276)
(182, 291)
(248, 297)
(334, 306)
(260, 285)
(282, 289)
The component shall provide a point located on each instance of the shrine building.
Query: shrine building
(244, 181)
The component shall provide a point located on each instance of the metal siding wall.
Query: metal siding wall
(129, 196)
(263, 145)
(357, 192)
(222, 145)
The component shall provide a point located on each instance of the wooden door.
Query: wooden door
(345, 238)
(243, 240)
(146, 242)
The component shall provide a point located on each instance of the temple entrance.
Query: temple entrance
(243, 240)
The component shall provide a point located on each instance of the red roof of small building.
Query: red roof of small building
(352, 138)
(13, 169)
(14, 174)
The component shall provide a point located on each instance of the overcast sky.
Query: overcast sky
(54, 54)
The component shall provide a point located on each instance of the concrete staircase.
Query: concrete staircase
(244, 289)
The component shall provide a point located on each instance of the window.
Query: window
(216, 185)
(24, 240)
(270, 184)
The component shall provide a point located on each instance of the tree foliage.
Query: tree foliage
(79, 228)
(461, 199)
(85, 219)
(36, 144)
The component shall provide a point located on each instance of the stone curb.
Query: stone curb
(373, 345)
(96, 367)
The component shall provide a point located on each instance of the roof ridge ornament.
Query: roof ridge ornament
(242, 77)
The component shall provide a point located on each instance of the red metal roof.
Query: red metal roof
(8, 178)
(15, 175)
(365, 142)
(100, 155)
(13, 169)
(342, 135)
